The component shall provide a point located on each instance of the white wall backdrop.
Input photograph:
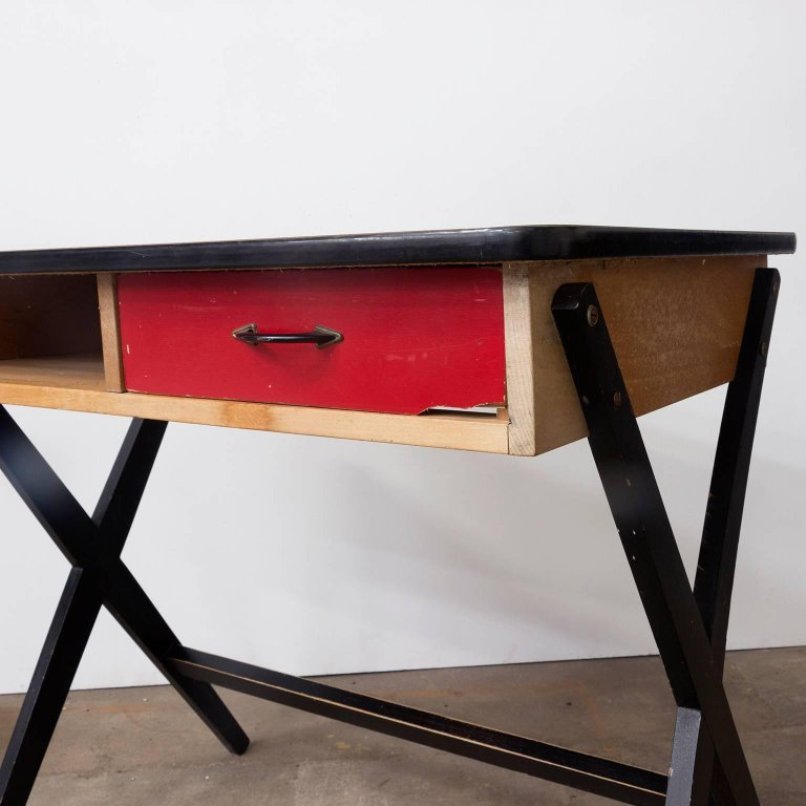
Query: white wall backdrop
(126, 122)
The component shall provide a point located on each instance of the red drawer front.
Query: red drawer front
(413, 338)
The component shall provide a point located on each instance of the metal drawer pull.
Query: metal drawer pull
(320, 336)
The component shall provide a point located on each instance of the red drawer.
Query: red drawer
(413, 338)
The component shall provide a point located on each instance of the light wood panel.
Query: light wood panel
(470, 432)
(110, 332)
(519, 358)
(82, 372)
(676, 325)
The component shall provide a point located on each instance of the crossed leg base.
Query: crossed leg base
(708, 763)
(98, 577)
(689, 627)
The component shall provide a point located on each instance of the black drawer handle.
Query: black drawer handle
(320, 336)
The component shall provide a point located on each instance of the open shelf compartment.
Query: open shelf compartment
(51, 332)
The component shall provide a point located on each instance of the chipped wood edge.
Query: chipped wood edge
(110, 332)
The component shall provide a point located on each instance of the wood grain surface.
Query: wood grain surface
(110, 332)
(676, 325)
(465, 431)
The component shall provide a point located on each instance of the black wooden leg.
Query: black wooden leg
(647, 538)
(693, 752)
(68, 635)
(93, 546)
(75, 617)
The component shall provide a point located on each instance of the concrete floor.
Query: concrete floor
(144, 746)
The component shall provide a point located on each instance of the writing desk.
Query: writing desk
(510, 340)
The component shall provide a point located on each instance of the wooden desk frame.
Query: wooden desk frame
(689, 627)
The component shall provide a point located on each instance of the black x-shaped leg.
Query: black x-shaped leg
(689, 627)
(694, 776)
(98, 577)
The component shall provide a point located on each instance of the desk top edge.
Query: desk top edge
(467, 246)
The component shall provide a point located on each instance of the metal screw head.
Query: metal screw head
(592, 315)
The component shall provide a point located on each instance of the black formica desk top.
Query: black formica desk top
(468, 246)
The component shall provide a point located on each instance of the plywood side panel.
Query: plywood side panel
(676, 325)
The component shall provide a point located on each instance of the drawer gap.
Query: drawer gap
(474, 411)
